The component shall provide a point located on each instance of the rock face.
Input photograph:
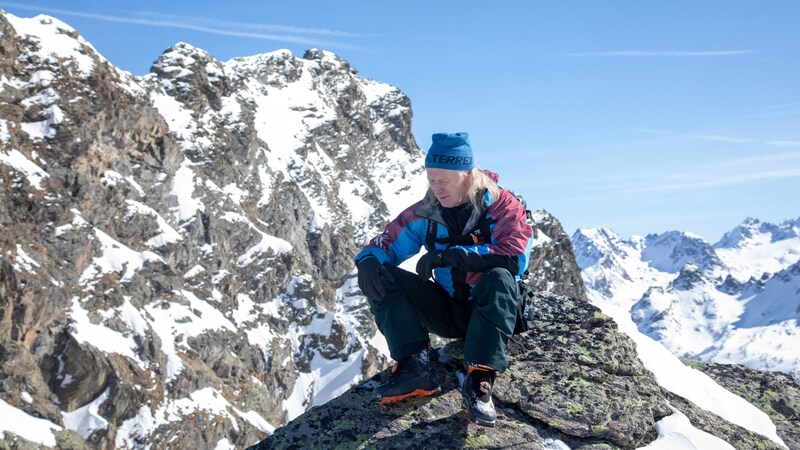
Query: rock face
(553, 267)
(176, 249)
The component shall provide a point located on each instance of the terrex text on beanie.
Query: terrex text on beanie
(451, 151)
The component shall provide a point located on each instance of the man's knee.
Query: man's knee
(497, 283)
(400, 277)
(498, 276)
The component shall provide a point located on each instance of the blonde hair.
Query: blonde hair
(480, 182)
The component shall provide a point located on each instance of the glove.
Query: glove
(428, 262)
(370, 271)
(460, 259)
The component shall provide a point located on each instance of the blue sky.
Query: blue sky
(639, 116)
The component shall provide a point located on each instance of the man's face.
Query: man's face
(449, 186)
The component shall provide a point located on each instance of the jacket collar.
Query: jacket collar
(434, 212)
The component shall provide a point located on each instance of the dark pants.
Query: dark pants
(413, 307)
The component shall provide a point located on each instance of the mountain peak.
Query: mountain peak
(328, 59)
(672, 250)
(754, 232)
(51, 41)
(593, 244)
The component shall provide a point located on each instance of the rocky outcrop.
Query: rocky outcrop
(775, 393)
(572, 378)
(552, 266)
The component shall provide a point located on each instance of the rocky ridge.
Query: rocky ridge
(558, 387)
(177, 248)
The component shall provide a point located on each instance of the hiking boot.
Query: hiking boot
(477, 395)
(410, 377)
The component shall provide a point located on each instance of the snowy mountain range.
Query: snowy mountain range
(736, 301)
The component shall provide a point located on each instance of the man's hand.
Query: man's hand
(428, 262)
(459, 258)
(370, 271)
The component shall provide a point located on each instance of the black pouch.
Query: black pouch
(525, 294)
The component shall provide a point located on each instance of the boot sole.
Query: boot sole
(414, 393)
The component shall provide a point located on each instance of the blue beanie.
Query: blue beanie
(451, 151)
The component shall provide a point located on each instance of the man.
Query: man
(477, 243)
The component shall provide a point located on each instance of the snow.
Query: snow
(56, 40)
(168, 234)
(20, 163)
(244, 311)
(671, 251)
(760, 256)
(774, 347)
(26, 397)
(266, 245)
(26, 426)
(194, 271)
(116, 257)
(778, 301)
(86, 419)
(231, 109)
(101, 336)
(334, 377)
(266, 185)
(224, 444)
(132, 317)
(5, 136)
(555, 444)
(175, 322)
(675, 432)
(209, 400)
(43, 129)
(236, 193)
(352, 193)
(256, 420)
(375, 91)
(261, 336)
(183, 189)
(139, 426)
(404, 181)
(686, 321)
(284, 116)
(23, 261)
(179, 119)
(111, 178)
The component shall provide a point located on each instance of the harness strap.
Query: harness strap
(430, 237)
(480, 232)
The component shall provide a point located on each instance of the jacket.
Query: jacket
(496, 235)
